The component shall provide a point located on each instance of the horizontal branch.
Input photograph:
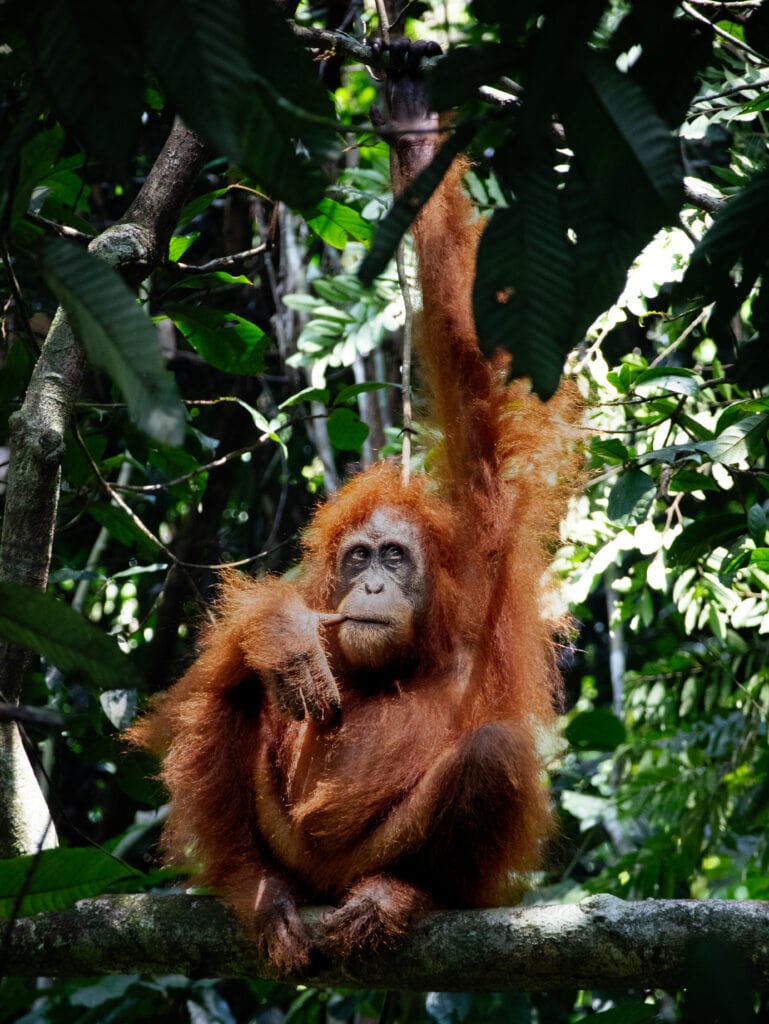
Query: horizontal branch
(31, 716)
(602, 942)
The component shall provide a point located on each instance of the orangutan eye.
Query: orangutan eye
(357, 557)
(393, 556)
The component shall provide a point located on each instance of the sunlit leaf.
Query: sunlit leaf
(55, 879)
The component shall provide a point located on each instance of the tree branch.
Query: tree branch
(602, 942)
(135, 245)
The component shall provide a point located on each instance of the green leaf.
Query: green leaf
(335, 224)
(96, 87)
(626, 1013)
(624, 148)
(599, 729)
(760, 557)
(55, 879)
(680, 381)
(254, 100)
(37, 159)
(179, 244)
(353, 390)
(225, 340)
(756, 520)
(263, 425)
(700, 538)
(611, 450)
(631, 497)
(346, 430)
(117, 336)
(307, 395)
(214, 279)
(736, 443)
(61, 636)
(737, 233)
(199, 205)
(523, 296)
(688, 480)
(121, 526)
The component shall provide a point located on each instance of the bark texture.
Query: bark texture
(602, 942)
(135, 245)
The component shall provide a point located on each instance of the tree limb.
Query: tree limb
(135, 245)
(602, 942)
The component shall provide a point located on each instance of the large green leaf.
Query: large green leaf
(631, 497)
(738, 233)
(603, 251)
(336, 223)
(64, 638)
(738, 441)
(225, 340)
(96, 86)
(117, 335)
(523, 296)
(598, 729)
(625, 149)
(346, 430)
(55, 879)
(698, 539)
(237, 75)
(672, 52)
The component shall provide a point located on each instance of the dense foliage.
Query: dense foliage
(620, 157)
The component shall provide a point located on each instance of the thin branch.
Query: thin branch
(408, 329)
(726, 36)
(60, 230)
(702, 199)
(337, 43)
(223, 261)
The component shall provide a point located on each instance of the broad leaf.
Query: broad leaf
(631, 497)
(599, 729)
(225, 340)
(117, 335)
(96, 86)
(624, 148)
(353, 390)
(55, 879)
(738, 233)
(679, 380)
(698, 539)
(736, 443)
(523, 295)
(238, 76)
(61, 636)
(309, 394)
(346, 430)
(336, 224)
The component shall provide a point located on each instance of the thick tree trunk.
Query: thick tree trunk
(37, 447)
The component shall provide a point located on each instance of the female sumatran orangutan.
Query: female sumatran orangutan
(366, 734)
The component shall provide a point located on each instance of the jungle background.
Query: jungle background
(620, 157)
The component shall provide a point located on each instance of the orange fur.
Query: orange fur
(426, 789)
